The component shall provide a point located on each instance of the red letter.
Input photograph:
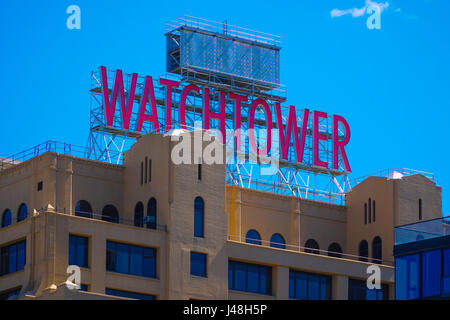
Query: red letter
(110, 109)
(148, 90)
(292, 122)
(339, 145)
(169, 84)
(237, 117)
(207, 115)
(251, 126)
(189, 88)
(318, 136)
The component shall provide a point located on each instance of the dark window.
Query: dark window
(199, 172)
(6, 218)
(131, 259)
(370, 210)
(446, 272)
(358, 290)
(420, 209)
(110, 214)
(249, 277)
(199, 216)
(5, 295)
(335, 250)
(128, 294)
(365, 213)
(40, 185)
(152, 208)
(311, 246)
(22, 213)
(198, 264)
(373, 211)
(142, 173)
(78, 251)
(407, 277)
(84, 287)
(139, 215)
(83, 209)
(363, 251)
(150, 170)
(376, 250)
(277, 241)
(431, 273)
(12, 258)
(253, 237)
(146, 169)
(309, 286)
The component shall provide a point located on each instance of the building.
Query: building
(150, 229)
(422, 260)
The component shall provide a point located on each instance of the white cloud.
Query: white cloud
(358, 12)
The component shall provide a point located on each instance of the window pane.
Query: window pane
(110, 256)
(407, 277)
(431, 273)
(265, 278)
(291, 284)
(313, 287)
(198, 264)
(446, 272)
(122, 257)
(230, 275)
(149, 262)
(136, 260)
(72, 252)
(240, 273)
(81, 251)
(324, 289)
(21, 255)
(301, 285)
(253, 279)
(12, 258)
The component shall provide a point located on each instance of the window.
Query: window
(149, 170)
(199, 172)
(376, 250)
(6, 218)
(84, 287)
(311, 246)
(407, 277)
(420, 209)
(142, 173)
(309, 286)
(78, 251)
(370, 210)
(152, 207)
(335, 250)
(131, 259)
(146, 169)
(253, 237)
(110, 214)
(139, 215)
(198, 264)
(22, 213)
(83, 209)
(373, 211)
(128, 294)
(357, 290)
(446, 272)
(431, 273)
(363, 251)
(277, 241)
(40, 185)
(249, 277)
(12, 258)
(365, 213)
(5, 295)
(199, 216)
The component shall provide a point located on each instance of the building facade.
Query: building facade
(150, 229)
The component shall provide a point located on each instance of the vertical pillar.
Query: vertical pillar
(282, 283)
(339, 287)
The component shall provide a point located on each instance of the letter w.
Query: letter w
(292, 124)
(110, 108)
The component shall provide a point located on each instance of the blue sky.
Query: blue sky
(392, 85)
